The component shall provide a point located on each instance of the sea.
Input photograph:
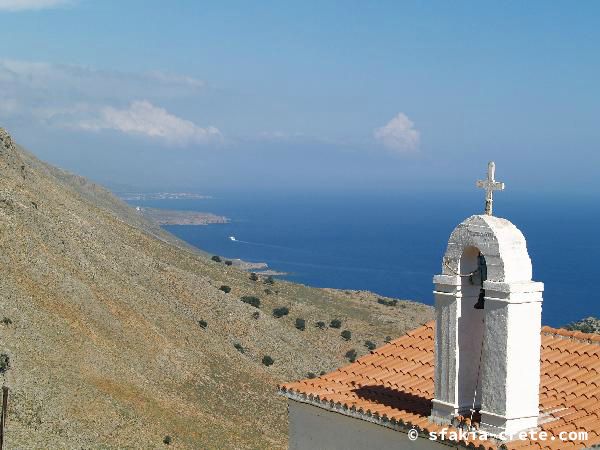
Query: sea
(392, 243)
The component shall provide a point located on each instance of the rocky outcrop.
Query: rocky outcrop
(587, 325)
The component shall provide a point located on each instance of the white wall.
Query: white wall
(313, 428)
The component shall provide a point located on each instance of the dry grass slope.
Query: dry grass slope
(105, 346)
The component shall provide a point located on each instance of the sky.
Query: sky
(340, 96)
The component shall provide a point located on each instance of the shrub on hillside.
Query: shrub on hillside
(4, 362)
(391, 302)
(280, 312)
(225, 289)
(6, 321)
(310, 375)
(228, 263)
(251, 300)
(202, 323)
(320, 324)
(351, 355)
(346, 334)
(167, 440)
(216, 258)
(387, 339)
(370, 345)
(239, 347)
(255, 315)
(270, 280)
(253, 277)
(268, 291)
(300, 324)
(336, 323)
(267, 360)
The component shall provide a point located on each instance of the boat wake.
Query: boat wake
(234, 239)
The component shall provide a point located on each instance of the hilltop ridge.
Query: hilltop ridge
(118, 334)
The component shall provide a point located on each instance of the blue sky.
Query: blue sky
(396, 95)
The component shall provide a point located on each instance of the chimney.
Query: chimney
(488, 324)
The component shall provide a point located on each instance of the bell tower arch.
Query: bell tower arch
(472, 272)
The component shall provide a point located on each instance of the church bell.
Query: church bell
(481, 300)
(482, 269)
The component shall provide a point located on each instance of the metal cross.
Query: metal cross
(490, 185)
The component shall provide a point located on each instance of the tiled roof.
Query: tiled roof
(393, 386)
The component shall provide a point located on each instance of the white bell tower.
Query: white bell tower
(488, 324)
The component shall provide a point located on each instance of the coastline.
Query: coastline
(260, 268)
(181, 217)
(178, 217)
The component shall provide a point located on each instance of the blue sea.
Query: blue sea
(392, 243)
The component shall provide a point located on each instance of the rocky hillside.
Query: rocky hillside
(587, 325)
(114, 334)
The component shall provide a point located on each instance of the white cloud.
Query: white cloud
(85, 98)
(399, 135)
(143, 118)
(23, 5)
(82, 82)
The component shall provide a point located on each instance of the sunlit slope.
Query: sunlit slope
(103, 336)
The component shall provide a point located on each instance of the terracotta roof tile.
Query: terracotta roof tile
(395, 382)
